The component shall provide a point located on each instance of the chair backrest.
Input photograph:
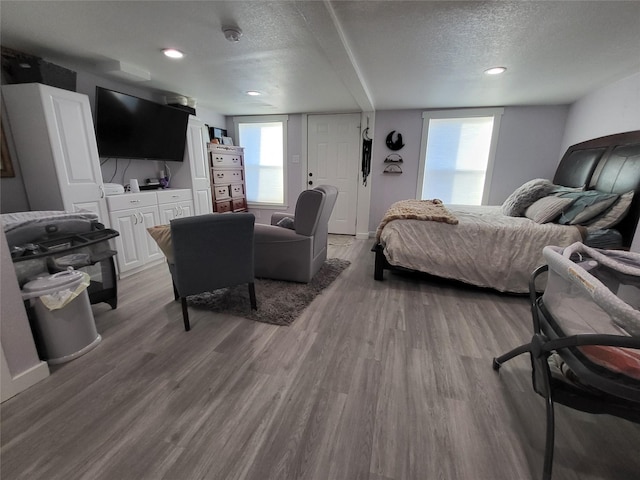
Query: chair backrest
(308, 210)
(313, 210)
(212, 251)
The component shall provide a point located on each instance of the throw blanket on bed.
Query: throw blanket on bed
(432, 210)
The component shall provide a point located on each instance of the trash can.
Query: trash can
(63, 323)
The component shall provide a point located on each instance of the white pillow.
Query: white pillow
(524, 196)
(614, 214)
(547, 208)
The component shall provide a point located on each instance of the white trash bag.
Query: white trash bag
(58, 290)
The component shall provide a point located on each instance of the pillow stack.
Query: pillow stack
(543, 202)
(523, 197)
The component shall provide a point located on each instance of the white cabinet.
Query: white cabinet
(194, 172)
(56, 147)
(175, 204)
(131, 215)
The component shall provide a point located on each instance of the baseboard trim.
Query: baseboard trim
(24, 380)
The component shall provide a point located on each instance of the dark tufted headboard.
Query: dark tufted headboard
(609, 164)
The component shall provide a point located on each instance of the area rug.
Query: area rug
(340, 240)
(279, 302)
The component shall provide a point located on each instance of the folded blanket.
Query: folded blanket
(432, 210)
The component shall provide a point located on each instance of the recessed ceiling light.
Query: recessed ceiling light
(253, 93)
(495, 70)
(173, 53)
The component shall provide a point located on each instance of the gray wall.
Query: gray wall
(528, 147)
(17, 340)
(614, 108)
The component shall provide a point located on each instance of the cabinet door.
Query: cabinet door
(171, 211)
(197, 140)
(56, 148)
(130, 251)
(149, 218)
(186, 209)
(168, 211)
(75, 154)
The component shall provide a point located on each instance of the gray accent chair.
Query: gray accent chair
(296, 254)
(210, 252)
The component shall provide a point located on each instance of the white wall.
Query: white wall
(528, 147)
(21, 366)
(614, 108)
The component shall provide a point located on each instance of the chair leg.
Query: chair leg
(185, 314)
(176, 295)
(549, 442)
(252, 296)
(497, 362)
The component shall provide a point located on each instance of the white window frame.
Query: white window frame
(496, 113)
(269, 119)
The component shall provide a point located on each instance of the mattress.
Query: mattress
(485, 248)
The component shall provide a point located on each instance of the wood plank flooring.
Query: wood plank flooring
(376, 380)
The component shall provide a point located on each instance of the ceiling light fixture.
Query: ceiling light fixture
(232, 34)
(173, 53)
(495, 70)
(253, 93)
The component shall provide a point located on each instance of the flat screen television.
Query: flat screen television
(131, 127)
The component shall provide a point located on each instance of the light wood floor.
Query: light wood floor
(376, 380)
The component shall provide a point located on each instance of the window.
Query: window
(265, 149)
(456, 156)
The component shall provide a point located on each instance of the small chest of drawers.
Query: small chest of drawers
(228, 185)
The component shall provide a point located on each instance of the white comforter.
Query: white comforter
(486, 248)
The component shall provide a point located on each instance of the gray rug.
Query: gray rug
(279, 302)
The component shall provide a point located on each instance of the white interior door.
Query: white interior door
(333, 159)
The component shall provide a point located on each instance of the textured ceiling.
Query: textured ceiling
(335, 56)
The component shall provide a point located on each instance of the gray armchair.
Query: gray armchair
(210, 252)
(296, 254)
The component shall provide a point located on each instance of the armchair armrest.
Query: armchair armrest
(277, 216)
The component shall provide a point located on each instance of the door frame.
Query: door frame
(363, 193)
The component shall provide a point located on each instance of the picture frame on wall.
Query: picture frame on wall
(217, 133)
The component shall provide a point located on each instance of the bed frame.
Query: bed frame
(609, 164)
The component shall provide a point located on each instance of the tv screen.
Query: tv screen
(131, 127)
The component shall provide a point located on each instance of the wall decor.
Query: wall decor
(6, 167)
(393, 162)
(215, 132)
(367, 144)
(397, 145)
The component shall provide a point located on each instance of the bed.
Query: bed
(486, 248)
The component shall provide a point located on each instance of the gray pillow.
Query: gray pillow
(586, 206)
(286, 222)
(524, 196)
(613, 215)
(547, 208)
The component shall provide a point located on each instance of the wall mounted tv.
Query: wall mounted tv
(131, 127)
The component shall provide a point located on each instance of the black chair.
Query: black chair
(586, 384)
(210, 252)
